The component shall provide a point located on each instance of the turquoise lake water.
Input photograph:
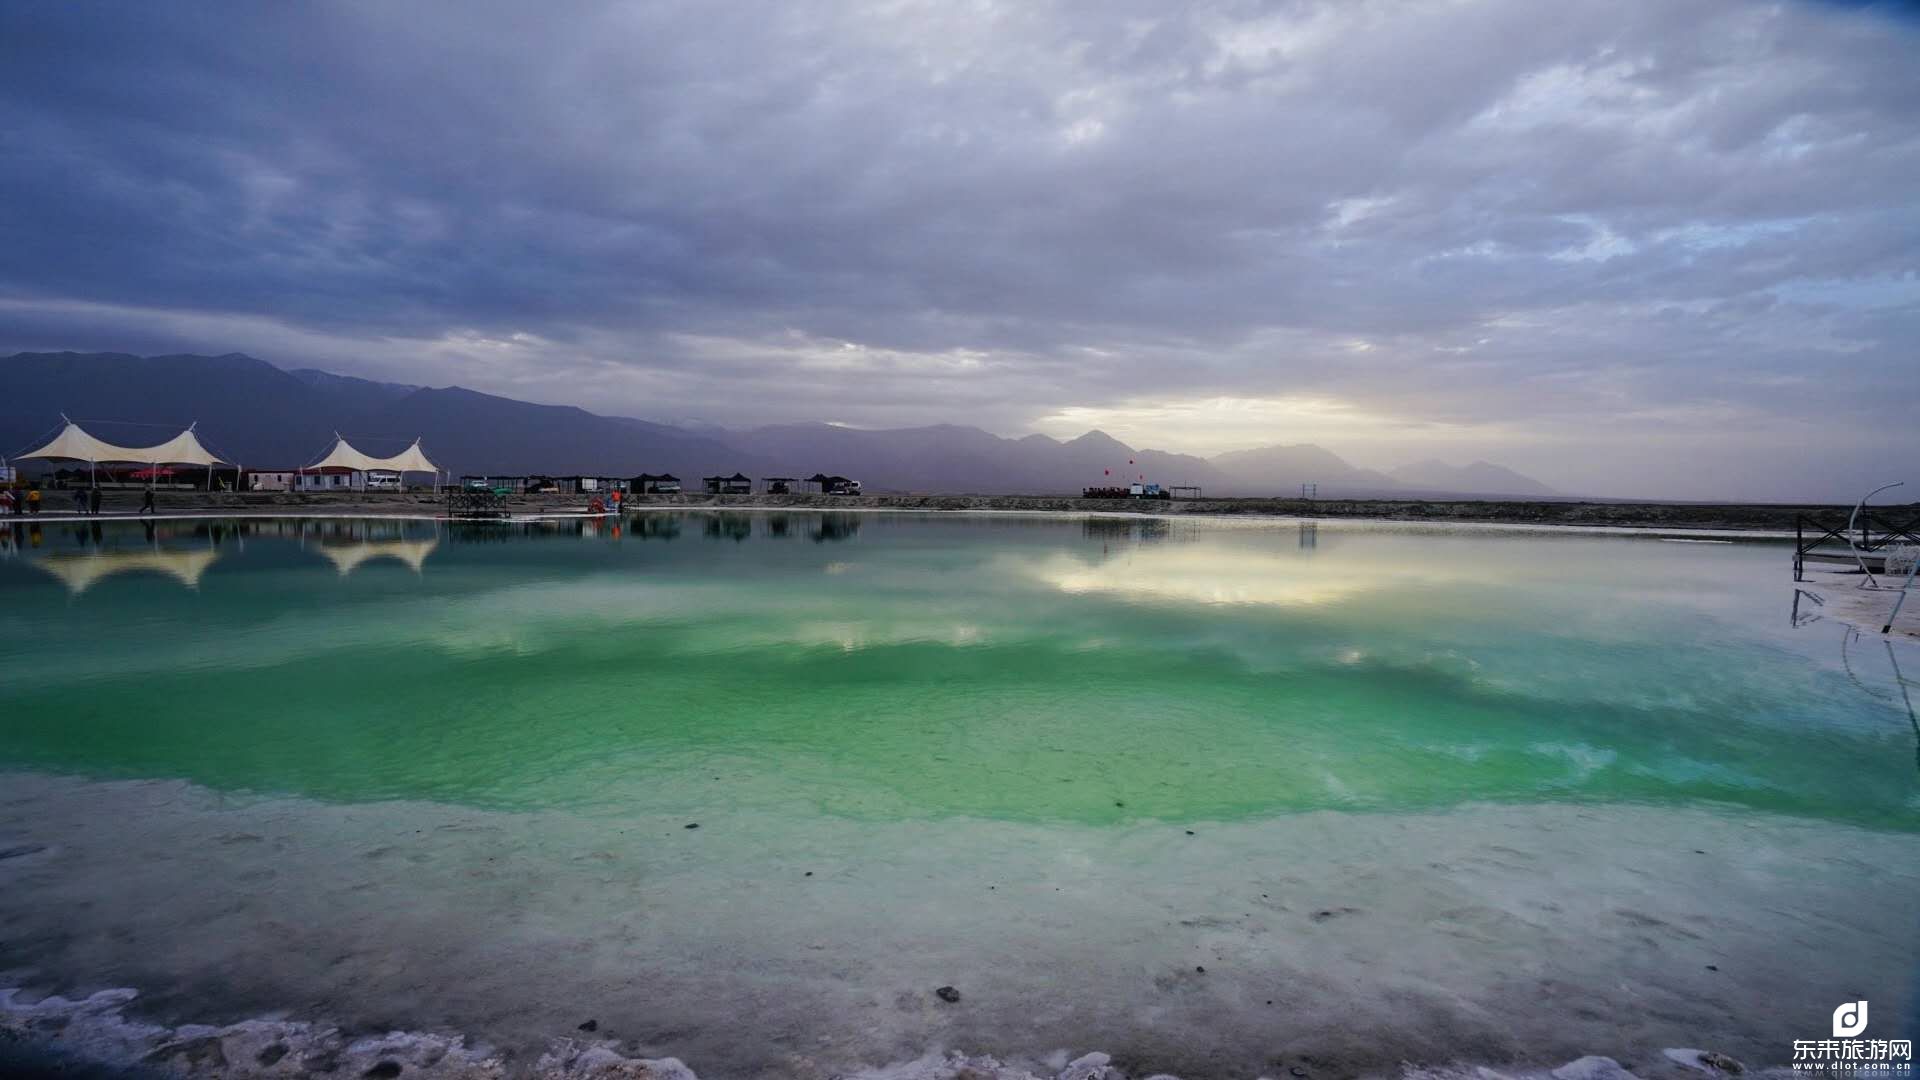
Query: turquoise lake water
(890, 667)
(443, 775)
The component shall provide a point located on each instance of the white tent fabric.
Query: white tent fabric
(74, 444)
(344, 456)
(182, 449)
(412, 459)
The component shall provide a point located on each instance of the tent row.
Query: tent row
(344, 462)
(75, 443)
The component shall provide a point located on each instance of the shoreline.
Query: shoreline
(1726, 519)
(68, 1037)
(358, 511)
(798, 977)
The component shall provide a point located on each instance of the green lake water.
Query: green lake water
(893, 667)
(1218, 797)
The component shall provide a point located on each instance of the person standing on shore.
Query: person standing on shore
(80, 500)
(146, 502)
(33, 499)
(93, 500)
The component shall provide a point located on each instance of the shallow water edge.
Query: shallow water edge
(1343, 944)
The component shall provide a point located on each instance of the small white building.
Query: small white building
(270, 479)
(328, 478)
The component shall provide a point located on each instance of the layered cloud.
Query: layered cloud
(1587, 238)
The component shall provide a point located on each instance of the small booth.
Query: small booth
(834, 485)
(649, 484)
(499, 485)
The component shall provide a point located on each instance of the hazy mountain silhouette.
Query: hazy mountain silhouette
(258, 415)
(245, 408)
(1479, 476)
(364, 394)
(956, 459)
(1282, 469)
(470, 432)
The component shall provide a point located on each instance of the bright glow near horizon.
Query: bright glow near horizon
(1209, 426)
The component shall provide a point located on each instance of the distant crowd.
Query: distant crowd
(86, 501)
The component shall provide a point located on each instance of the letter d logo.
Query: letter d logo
(1849, 1019)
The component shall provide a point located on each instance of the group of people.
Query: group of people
(86, 500)
(14, 503)
(597, 505)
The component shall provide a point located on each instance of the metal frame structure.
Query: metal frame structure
(1868, 545)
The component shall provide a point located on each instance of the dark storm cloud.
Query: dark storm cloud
(1494, 219)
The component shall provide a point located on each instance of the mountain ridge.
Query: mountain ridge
(255, 412)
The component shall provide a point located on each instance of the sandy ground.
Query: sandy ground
(1691, 516)
(1332, 944)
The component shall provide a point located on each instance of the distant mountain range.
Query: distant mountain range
(1478, 476)
(262, 416)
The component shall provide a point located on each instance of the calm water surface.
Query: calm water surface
(890, 667)
(1344, 767)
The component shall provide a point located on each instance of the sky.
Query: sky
(1629, 247)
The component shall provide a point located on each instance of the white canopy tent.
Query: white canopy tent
(74, 443)
(344, 456)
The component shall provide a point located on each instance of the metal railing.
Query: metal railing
(1864, 540)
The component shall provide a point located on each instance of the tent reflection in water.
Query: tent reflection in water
(81, 572)
(347, 558)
